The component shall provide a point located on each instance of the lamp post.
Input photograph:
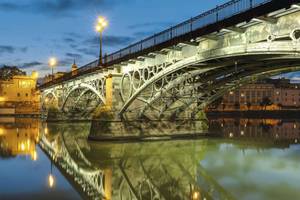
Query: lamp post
(52, 63)
(100, 26)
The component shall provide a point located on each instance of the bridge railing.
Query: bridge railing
(212, 16)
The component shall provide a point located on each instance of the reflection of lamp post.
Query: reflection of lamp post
(100, 26)
(52, 63)
(51, 178)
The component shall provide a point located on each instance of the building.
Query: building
(270, 94)
(19, 93)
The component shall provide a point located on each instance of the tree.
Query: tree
(266, 101)
(237, 105)
(248, 105)
(7, 72)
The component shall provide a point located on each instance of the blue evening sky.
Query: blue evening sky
(31, 31)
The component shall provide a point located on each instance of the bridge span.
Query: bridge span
(176, 73)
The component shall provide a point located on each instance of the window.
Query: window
(19, 94)
(26, 94)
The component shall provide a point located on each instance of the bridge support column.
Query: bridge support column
(109, 111)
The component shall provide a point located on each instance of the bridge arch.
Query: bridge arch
(83, 89)
(229, 63)
(49, 99)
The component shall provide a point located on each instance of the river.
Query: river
(244, 159)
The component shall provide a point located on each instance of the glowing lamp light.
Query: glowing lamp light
(51, 181)
(102, 23)
(231, 135)
(52, 62)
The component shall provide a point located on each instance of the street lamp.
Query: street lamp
(52, 63)
(102, 23)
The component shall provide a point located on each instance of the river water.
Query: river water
(245, 159)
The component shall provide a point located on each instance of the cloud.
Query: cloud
(31, 64)
(110, 41)
(151, 25)
(88, 51)
(73, 55)
(8, 49)
(55, 7)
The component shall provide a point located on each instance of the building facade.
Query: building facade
(269, 94)
(20, 93)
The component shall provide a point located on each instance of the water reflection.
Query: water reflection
(272, 130)
(248, 153)
(19, 137)
(24, 168)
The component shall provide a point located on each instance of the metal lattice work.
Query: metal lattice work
(88, 178)
(81, 98)
(200, 79)
(182, 78)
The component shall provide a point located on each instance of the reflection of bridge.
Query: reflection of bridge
(176, 73)
(130, 171)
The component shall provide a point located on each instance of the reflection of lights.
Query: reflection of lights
(296, 141)
(222, 125)
(2, 98)
(22, 146)
(242, 133)
(51, 181)
(1, 131)
(196, 195)
(295, 126)
(28, 144)
(34, 155)
(46, 131)
(245, 125)
(231, 135)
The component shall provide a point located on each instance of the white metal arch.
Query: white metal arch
(84, 86)
(272, 49)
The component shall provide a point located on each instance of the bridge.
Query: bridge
(176, 73)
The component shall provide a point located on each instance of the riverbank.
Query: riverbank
(274, 114)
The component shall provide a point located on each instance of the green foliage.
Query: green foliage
(7, 72)
(266, 101)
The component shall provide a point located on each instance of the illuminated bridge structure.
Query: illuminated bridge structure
(129, 171)
(176, 73)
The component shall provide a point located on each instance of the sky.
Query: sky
(32, 31)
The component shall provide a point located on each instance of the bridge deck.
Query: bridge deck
(224, 16)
